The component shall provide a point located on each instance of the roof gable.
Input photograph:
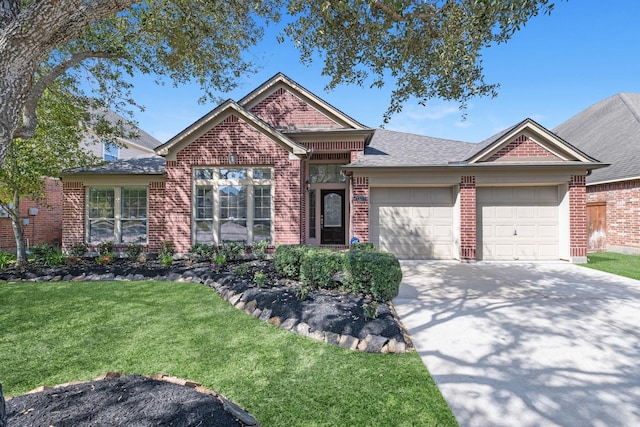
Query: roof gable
(286, 105)
(527, 142)
(217, 116)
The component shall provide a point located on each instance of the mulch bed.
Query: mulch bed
(131, 400)
(140, 401)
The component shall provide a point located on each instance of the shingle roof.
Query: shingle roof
(141, 137)
(609, 131)
(154, 165)
(396, 149)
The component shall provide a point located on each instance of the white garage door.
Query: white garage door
(413, 223)
(517, 223)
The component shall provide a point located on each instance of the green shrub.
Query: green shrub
(6, 259)
(374, 273)
(241, 269)
(106, 248)
(55, 258)
(231, 251)
(259, 249)
(286, 260)
(363, 246)
(78, 249)
(205, 250)
(259, 278)
(40, 252)
(134, 250)
(167, 250)
(318, 266)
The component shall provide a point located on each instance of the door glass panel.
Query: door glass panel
(332, 210)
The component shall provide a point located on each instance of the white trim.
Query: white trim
(613, 180)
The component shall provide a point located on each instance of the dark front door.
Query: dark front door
(332, 217)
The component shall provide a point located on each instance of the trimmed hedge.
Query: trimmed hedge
(319, 265)
(367, 271)
(375, 273)
(287, 259)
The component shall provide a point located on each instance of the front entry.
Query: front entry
(332, 217)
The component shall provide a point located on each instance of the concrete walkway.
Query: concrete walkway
(527, 344)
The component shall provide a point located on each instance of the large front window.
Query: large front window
(117, 214)
(232, 205)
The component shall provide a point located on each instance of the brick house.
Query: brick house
(42, 219)
(610, 130)
(283, 165)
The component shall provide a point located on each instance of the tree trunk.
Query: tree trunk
(18, 232)
(3, 410)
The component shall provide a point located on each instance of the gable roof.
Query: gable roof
(550, 142)
(397, 149)
(153, 165)
(281, 81)
(215, 116)
(133, 134)
(610, 131)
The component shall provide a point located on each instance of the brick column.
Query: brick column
(468, 218)
(72, 214)
(360, 208)
(578, 218)
(156, 220)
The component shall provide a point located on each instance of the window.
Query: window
(320, 173)
(232, 204)
(110, 151)
(117, 214)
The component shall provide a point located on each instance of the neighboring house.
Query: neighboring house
(42, 220)
(610, 131)
(284, 166)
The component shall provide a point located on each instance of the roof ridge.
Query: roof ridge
(632, 108)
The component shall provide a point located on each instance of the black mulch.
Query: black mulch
(133, 400)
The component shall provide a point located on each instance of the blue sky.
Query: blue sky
(553, 68)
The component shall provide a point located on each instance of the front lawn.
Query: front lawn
(620, 264)
(52, 333)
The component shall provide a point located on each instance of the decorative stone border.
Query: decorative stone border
(370, 344)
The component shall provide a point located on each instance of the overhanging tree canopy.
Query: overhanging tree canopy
(427, 48)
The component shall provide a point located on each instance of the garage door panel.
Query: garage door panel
(413, 223)
(518, 223)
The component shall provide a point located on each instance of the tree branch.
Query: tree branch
(29, 117)
(400, 17)
(9, 9)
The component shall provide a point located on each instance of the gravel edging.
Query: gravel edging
(371, 340)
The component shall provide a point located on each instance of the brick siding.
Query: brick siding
(45, 227)
(577, 216)
(283, 110)
(468, 239)
(72, 214)
(522, 146)
(622, 209)
(252, 148)
(360, 208)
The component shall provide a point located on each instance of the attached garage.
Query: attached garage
(517, 223)
(413, 223)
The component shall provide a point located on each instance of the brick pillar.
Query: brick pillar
(578, 218)
(156, 222)
(360, 206)
(177, 209)
(468, 218)
(72, 214)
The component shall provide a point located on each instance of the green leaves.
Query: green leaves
(429, 49)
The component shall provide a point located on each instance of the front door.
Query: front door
(332, 223)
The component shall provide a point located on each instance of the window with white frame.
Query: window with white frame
(117, 214)
(110, 151)
(233, 204)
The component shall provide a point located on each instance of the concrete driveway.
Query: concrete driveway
(527, 344)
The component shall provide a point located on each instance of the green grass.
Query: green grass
(620, 264)
(52, 333)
